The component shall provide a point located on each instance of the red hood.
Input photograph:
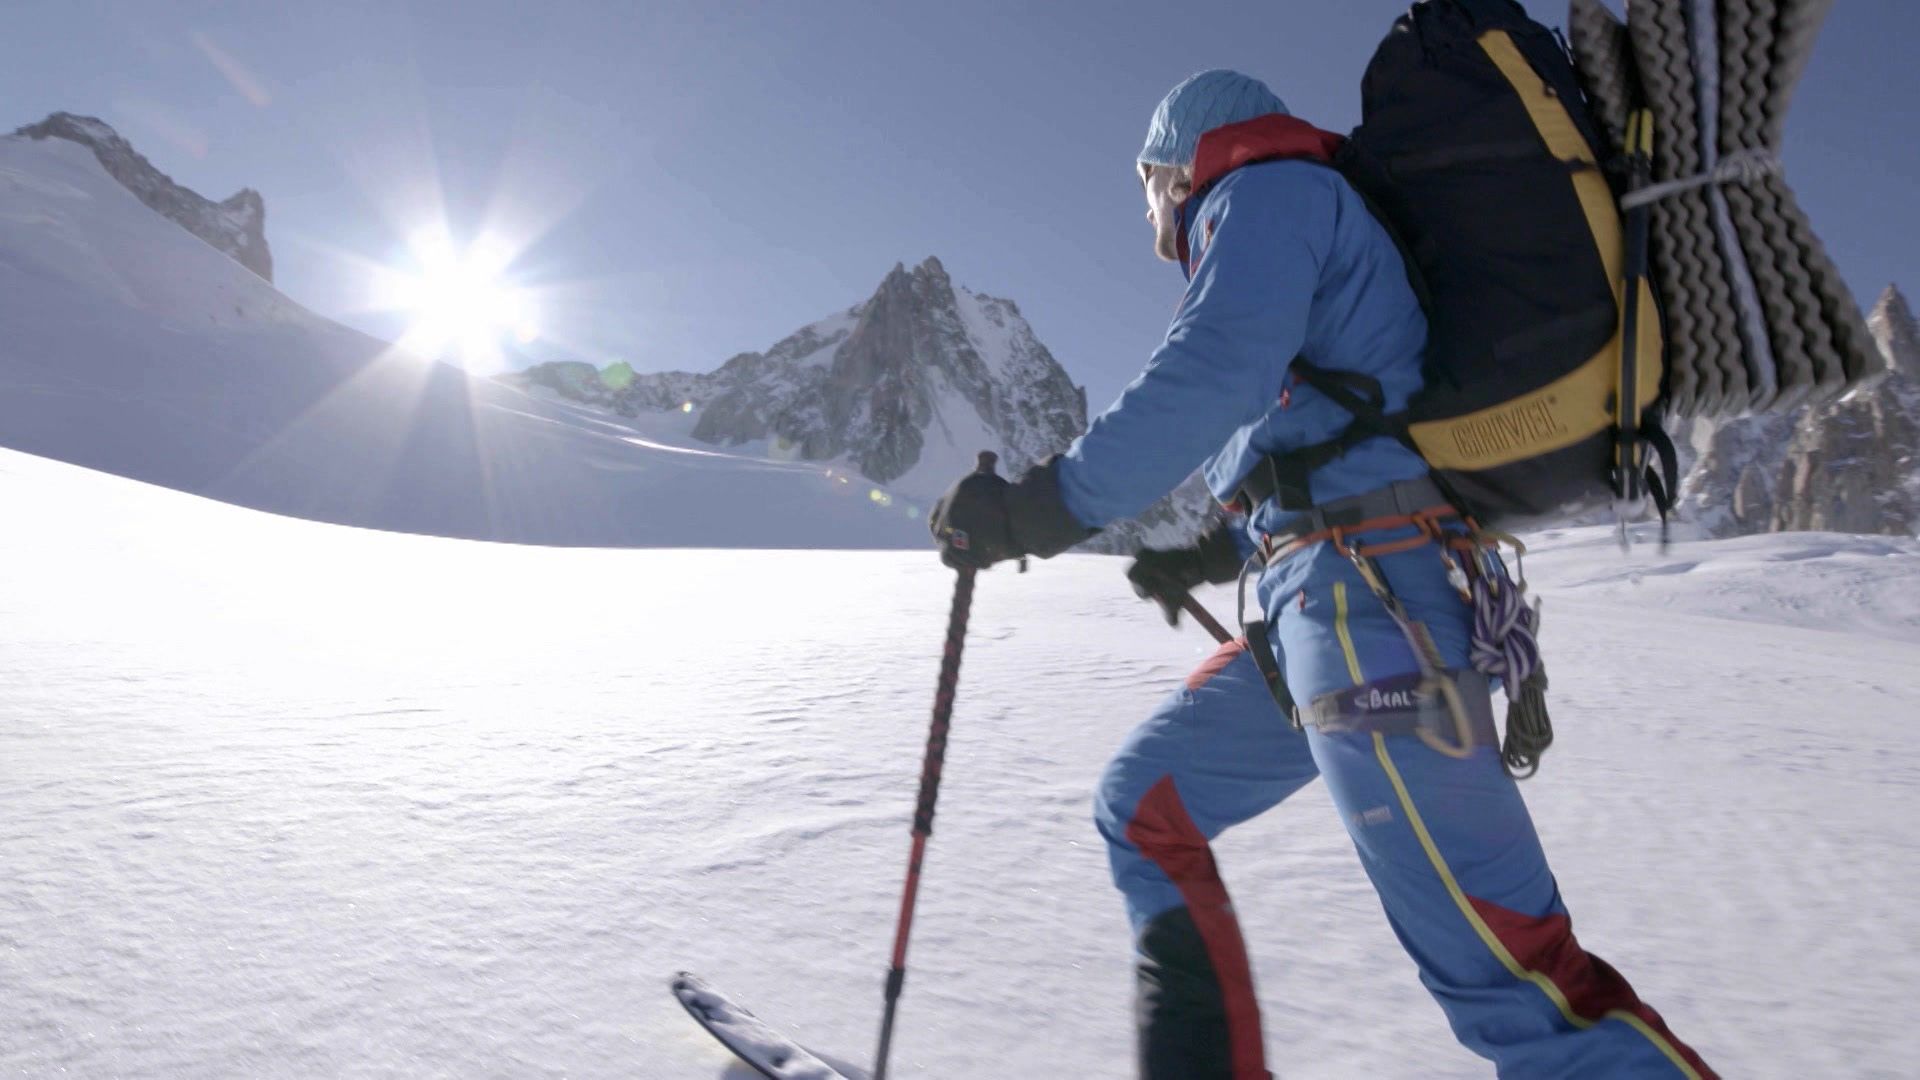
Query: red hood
(1263, 138)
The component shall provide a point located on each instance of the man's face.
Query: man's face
(1166, 188)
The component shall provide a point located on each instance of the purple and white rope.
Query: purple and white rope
(1506, 630)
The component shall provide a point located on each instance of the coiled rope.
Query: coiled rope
(1505, 644)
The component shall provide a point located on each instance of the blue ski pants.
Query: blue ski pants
(1446, 841)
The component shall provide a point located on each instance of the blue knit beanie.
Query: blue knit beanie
(1205, 101)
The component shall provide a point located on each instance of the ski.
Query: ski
(751, 1039)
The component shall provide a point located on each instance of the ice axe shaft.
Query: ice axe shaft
(1212, 625)
(1257, 643)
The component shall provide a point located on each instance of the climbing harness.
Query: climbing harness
(1446, 709)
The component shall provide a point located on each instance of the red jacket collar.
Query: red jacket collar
(1263, 138)
(1273, 137)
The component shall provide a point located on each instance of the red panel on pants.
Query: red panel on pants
(1591, 985)
(1164, 832)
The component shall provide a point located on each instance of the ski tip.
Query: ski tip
(685, 984)
(756, 1044)
(702, 998)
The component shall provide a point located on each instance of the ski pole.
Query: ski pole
(1207, 621)
(923, 812)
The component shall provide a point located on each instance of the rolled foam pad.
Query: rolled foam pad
(1603, 58)
(1797, 27)
(1757, 317)
(1682, 235)
(1751, 343)
(1738, 371)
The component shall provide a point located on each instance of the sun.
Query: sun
(462, 306)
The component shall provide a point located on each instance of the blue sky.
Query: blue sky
(693, 180)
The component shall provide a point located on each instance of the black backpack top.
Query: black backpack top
(1477, 151)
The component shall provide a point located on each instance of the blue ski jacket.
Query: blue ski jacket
(1283, 259)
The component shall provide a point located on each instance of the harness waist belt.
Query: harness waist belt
(1397, 504)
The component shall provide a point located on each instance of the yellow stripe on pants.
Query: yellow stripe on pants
(1492, 941)
(1346, 635)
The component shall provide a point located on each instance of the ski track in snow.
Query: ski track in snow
(282, 799)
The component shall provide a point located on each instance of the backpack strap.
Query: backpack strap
(1285, 477)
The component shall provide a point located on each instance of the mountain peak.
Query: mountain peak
(929, 271)
(1893, 306)
(86, 130)
(1895, 329)
(905, 388)
(236, 226)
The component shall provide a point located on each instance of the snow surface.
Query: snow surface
(130, 346)
(285, 799)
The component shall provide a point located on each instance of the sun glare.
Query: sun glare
(462, 304)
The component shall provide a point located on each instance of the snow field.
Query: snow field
(287, 799)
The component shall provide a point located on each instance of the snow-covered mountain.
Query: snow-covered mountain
(908, 388)
(129, 346)
(1847, 465)
(904, 388)
(236, 225)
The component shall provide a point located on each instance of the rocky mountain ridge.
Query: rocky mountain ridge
(1848, 465)
(904, 388)
(236, 225)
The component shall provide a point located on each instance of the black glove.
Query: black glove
(983, 519)
(1167, 576)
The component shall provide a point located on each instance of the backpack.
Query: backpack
(1477, 151)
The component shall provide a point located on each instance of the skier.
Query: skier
(1284, 259)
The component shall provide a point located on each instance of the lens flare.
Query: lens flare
(463, 305)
